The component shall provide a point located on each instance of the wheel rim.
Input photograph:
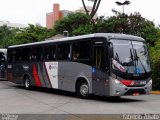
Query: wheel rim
(84, 89)
(27, 84)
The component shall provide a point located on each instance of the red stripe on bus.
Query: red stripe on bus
(35, 74)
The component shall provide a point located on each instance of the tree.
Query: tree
(133, 24)
(32, 33)
(75, 23)
(6, 33)
(94, 8)
(155, 62)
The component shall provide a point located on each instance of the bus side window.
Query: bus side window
(36, 53)
(10, 55)
(16, 54)
(32, 57)
(26, 54)
(39, 53)
(81, 50)
(49, 52)
(63, 52)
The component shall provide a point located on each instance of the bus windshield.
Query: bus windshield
(130, 57)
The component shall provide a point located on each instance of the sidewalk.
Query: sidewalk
(155, 92)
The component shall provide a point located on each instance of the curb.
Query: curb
(155, 92)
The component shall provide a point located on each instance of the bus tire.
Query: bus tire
(27, 83)
(83, 89)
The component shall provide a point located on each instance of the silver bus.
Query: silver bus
(104, 64)
(3, 59)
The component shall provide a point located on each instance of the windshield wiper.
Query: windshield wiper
(117, 57)
(131, 54)
(133, 58)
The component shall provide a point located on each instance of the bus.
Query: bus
(3, 58)
(104, 64)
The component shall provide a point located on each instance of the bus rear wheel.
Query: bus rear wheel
(83, 89)
(27, 83)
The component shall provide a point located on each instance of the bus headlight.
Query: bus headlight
(118, 82)
(150, 83)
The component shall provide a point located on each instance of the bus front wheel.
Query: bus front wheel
(27, 83)
(83, 89)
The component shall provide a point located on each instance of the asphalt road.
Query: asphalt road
(16, 100)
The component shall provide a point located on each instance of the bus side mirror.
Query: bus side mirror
(110, 49)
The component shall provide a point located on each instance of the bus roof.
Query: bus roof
(106, 35)
(3, 50)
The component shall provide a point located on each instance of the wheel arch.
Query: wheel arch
(26, 75)
(83, 78)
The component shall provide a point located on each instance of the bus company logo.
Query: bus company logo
(51, 67)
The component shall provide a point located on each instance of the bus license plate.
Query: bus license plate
(143, 82)
(135, 94)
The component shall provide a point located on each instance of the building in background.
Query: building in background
(58, 14)
(89, 8)
(55, 15)
(11, 25)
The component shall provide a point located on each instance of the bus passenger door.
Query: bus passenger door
(99, 74)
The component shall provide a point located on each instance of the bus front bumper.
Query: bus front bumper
(118, 89)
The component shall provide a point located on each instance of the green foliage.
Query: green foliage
(32, 33)
(83, 29)
(155, 62)
(6, 33)
(75, 24)
(133, 24)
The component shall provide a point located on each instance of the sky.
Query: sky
(34, 11)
